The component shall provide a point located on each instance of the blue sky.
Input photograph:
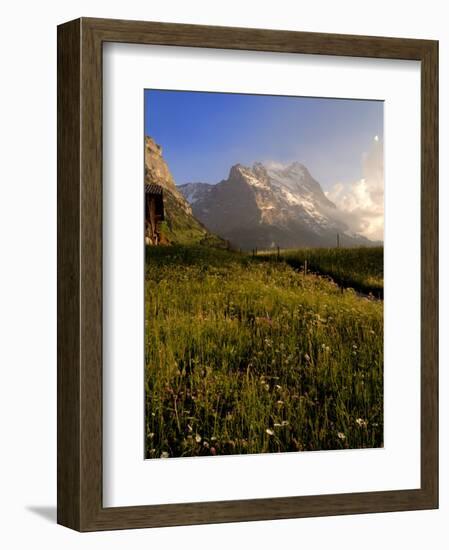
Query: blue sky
(203, 134)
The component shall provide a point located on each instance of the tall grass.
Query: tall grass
(360, 268)
(244, 356)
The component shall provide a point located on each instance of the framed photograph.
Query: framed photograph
(247, 274)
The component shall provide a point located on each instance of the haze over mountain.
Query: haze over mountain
(268, 206)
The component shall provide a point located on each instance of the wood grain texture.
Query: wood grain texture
(429, 271)
(80, 274)
(69, 407)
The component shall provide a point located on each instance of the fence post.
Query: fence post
(305, 267)
(278, 253)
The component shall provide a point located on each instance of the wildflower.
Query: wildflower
(269, 432)
(151, 435)
(164, 454)
(198, 438)
(285, 422)
(280, 402)
(278, 387)
(361, 423)
(307, 357)
(213, 451)
(341, 436)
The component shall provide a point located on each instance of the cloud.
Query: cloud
(273, 165)
(361, 203)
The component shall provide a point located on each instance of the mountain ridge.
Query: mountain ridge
(266, 206)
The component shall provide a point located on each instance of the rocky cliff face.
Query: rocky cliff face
(269, 206)
(180, 225)
(157, 172)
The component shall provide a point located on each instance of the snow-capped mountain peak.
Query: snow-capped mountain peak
(194, 192)
(266, 204)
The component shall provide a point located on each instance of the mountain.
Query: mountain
(194, 192)
(268, 206)
(180, 225)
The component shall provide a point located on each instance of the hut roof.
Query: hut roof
(152, 189)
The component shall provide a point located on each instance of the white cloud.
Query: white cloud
(273, 165)
(361, 203)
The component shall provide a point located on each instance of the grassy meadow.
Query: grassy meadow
(245, 355)
(359, 268)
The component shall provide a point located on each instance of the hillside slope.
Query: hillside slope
(180, 225)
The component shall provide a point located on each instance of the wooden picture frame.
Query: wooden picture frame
(80, 351)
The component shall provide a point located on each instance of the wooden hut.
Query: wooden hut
(154, 213)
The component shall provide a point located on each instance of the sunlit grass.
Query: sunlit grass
(360, 268)
(248, 356)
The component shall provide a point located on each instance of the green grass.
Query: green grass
(358, 268)
(181, 228)
(248, 356)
